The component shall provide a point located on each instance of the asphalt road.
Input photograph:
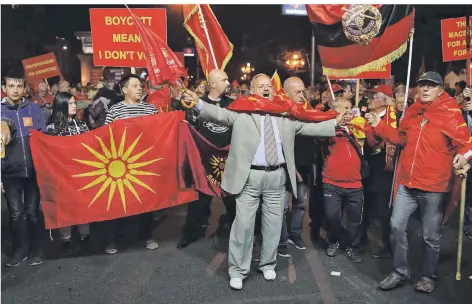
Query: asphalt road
(198, 273)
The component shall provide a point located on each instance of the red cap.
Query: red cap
(382, 88)
(336, 88)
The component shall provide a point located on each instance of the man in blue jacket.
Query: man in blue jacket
(18, 175)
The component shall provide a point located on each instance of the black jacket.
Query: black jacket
(218, 135)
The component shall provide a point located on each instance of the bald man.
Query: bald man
(64, 86)
(305, 149)
(198, 212)
(260, 155)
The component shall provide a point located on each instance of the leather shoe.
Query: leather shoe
(184, 242)
(382, 254)
(393, 280)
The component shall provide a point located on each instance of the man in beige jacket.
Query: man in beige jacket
(261, 155)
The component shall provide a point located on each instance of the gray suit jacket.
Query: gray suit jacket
(245, 139)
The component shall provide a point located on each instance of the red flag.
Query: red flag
(213, 46)
(276, 82)
(354, 38)
(161, 99)
(280, 105)
(201, 164)
(122, 169)
(162, 64)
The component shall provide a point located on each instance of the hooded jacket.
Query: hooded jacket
(28, 116)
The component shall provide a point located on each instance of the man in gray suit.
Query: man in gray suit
(262, 150)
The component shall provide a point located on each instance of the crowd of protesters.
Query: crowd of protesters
(350, 174)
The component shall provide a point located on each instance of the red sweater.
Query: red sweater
(342, 166)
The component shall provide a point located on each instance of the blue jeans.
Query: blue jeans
(431, 207)
(298, 212)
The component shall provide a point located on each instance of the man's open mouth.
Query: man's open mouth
(266, 94)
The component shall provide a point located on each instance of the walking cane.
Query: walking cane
(461, 228)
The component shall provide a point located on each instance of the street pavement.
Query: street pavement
(198, 273)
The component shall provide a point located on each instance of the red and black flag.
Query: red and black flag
(201, 164)
(355, 38)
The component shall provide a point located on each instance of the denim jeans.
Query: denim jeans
(22, 195)
(431, 208)
(297, 214)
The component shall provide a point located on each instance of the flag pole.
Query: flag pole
(358, 84)
(330, 87)
(410, 55)
(312, 67)
(405, 103)
(207, 36)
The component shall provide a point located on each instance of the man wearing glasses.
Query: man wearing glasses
(435, 140)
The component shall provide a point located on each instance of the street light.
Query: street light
(294, 61)
(247, 70)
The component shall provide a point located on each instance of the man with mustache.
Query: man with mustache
(261, 154)
(435, 140)
(199, 211)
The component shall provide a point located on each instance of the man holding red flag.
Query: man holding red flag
(261, 152)
(199, 211)
(435, 141)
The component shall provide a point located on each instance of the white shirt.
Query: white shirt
(260, 156)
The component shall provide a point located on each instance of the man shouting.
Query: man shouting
(261, 155)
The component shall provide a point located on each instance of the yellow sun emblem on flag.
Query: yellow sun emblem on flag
(116, 169)
(218, 166)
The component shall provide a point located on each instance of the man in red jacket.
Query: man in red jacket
(342, 184)
(435, 140)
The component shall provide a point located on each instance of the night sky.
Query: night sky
(258, 32)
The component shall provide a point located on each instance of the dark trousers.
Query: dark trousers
(119, 226)
(296, 215)
(468, 206)
(431, 208)
(198, 213)
(316, 210)
(378, 197)
(22, 195)
(335, 200)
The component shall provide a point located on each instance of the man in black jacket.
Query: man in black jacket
(199, 211)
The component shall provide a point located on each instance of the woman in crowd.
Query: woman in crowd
(63, 122)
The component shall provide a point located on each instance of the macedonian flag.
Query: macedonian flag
(354, 38)
(118, 170)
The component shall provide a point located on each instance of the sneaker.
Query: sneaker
(270, 275)
(425, 285)
(297, 241)
(236, 283)
(16, 259)
(84, 238)
(468, 234)
(34, 260)
(111, 248)
(283, 252)
(382, 254)
(332, 249)
(353, 255)
(393, 280)
(151, 244)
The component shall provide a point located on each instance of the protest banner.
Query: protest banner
(453, 39)
(115, 38)
(380, 73)
(95, 75)
(41, 67)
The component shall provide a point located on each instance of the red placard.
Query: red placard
(115, 39)
(453, 39)
(41, 67)
(95, 75)
(381, 73)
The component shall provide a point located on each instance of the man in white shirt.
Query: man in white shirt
(261, 155)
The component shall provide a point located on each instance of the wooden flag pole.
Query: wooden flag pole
(405, 103)
(460, 232)
(207, 36)
(358, 84)
(330, 87)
